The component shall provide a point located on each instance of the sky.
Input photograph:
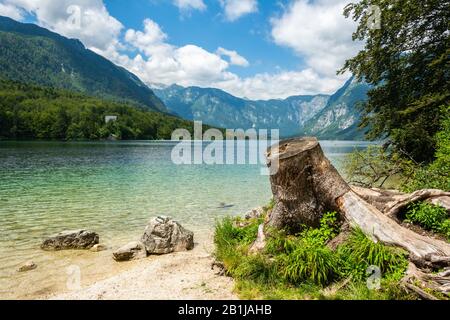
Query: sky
(257, 49)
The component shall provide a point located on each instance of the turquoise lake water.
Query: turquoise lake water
(113, 188)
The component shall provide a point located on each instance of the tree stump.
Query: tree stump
(307, 185)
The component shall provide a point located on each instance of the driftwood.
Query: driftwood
(306, 185)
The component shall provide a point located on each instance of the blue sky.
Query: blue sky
(257, 49)
(210, 30)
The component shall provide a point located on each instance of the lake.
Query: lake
(112, 188)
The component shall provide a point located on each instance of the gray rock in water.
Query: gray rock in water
(66, 240)
(28, 266)
(132, 251)
(164, 235)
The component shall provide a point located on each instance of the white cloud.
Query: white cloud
(87, 20)
(159, 62)
(235, 58)
(163, 63)
(9, 10)
(319, 32)
(282, 85)
(234, 9)
(190, 4)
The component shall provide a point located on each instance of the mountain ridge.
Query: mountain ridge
(326, 116)
(35, 55)
(212, 105)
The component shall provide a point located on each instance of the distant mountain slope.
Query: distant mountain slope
(341, 117)
(34, 112)
(31, 54)
(218, 108)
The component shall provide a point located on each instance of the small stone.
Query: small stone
(28, 266)
(99, 247)
(133, 251)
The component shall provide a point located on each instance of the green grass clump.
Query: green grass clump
(303, 267)
(359, 252)
(430, 217)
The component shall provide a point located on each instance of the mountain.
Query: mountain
(218, 108)
(335, 117)
(34, 55)
(340, 118)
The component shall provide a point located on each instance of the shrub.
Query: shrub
(437, 174)
(430, 217)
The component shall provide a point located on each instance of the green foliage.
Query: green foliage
(30, 112)
(430, 217)
(437, 174)
(308, 263)
(379, 166)
(303, 267)
(375, 167)
(409, 71)
(359, 252)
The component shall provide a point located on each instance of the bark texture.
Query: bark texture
(305, 186)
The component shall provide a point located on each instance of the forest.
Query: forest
(33, 112)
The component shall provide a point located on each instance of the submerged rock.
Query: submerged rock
(66, 240)
(132, 251)
(28, 266)
(164, 235)
(99, 247)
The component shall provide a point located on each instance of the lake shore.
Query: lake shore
(178, 276)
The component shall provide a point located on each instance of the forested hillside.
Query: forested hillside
(31, 54)
(32, 112)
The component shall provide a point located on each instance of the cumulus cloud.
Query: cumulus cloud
(159, 62)
(87, 20)
(234, 9)
(10, 10)
(190, 4)
(163, 63)
(317, 31)
(235, 58)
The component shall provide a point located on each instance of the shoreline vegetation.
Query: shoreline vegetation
(29, 112)
(336, 261)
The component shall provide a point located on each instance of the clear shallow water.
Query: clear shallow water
(113, 189)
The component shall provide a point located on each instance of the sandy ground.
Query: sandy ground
(177, 276)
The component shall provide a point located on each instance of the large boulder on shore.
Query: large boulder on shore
(132, 251)
(164, 235)
(75, 239)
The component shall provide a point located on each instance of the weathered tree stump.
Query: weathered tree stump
(307, 185)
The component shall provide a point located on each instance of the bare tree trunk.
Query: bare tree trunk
(307, 185)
